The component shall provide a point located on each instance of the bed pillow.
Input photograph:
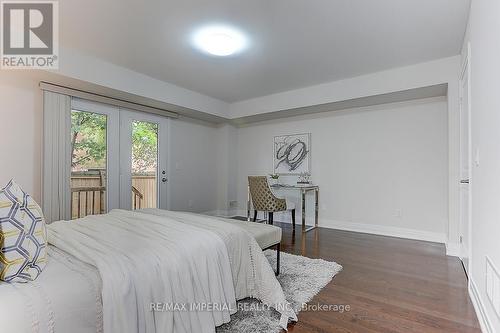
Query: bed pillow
(23, 236)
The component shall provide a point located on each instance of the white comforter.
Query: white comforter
(165, 257)
(66, 297)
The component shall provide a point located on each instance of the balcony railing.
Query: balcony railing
(137, 198)
(89, 197)
(87, 201)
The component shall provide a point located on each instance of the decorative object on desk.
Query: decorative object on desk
(304, 178)
(274, 178)
(292, 154)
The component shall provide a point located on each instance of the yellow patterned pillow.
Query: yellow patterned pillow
(23, 236)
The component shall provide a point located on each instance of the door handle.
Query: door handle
(464, 181)
(164, 179)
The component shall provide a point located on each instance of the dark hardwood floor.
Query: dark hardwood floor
(390, 284)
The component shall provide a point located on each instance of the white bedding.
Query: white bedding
(66, 297)
(143, 257)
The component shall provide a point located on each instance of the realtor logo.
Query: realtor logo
(29, 35)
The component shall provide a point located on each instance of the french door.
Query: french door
(119, 159)
(143, 160)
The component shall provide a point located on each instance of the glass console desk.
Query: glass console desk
(303, 189)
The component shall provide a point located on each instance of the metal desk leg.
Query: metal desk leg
(304, 229)
(303, 193)
(316, 216)
(304, 212)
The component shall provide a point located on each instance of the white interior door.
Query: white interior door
(143, 160)
(465, 167)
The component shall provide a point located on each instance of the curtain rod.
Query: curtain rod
(105, 99)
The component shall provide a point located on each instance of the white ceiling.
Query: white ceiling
(295, 43)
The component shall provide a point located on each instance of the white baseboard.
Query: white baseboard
(452, 249)
(355, 227)
(478, 304)
(384, 230)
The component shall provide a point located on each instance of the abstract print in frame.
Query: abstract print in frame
(292, 154)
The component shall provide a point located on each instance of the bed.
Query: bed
(126, 271)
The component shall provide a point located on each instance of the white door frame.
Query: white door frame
(465, 74)
(112, 145)
(125, 179)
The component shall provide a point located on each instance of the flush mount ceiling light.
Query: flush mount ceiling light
(219, 40)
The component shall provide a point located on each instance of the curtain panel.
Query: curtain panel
(56, 191)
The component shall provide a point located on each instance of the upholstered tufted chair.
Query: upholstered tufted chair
(264, 200)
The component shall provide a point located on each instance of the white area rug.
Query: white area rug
(301, 279)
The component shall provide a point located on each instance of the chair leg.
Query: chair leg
(293, 218)
(271, 217)
(255, 215)
(278, 250)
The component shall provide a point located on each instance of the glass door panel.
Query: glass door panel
(88, 163)
(94, 158)
(144, 164)
(143, 160)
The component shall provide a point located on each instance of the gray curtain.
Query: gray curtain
(56, 192)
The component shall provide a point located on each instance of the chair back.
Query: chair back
(263, 198)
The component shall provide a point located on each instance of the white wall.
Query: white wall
(193, 183)
(369, 163)
(227, 161)
(484, 25)
(20, 131)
